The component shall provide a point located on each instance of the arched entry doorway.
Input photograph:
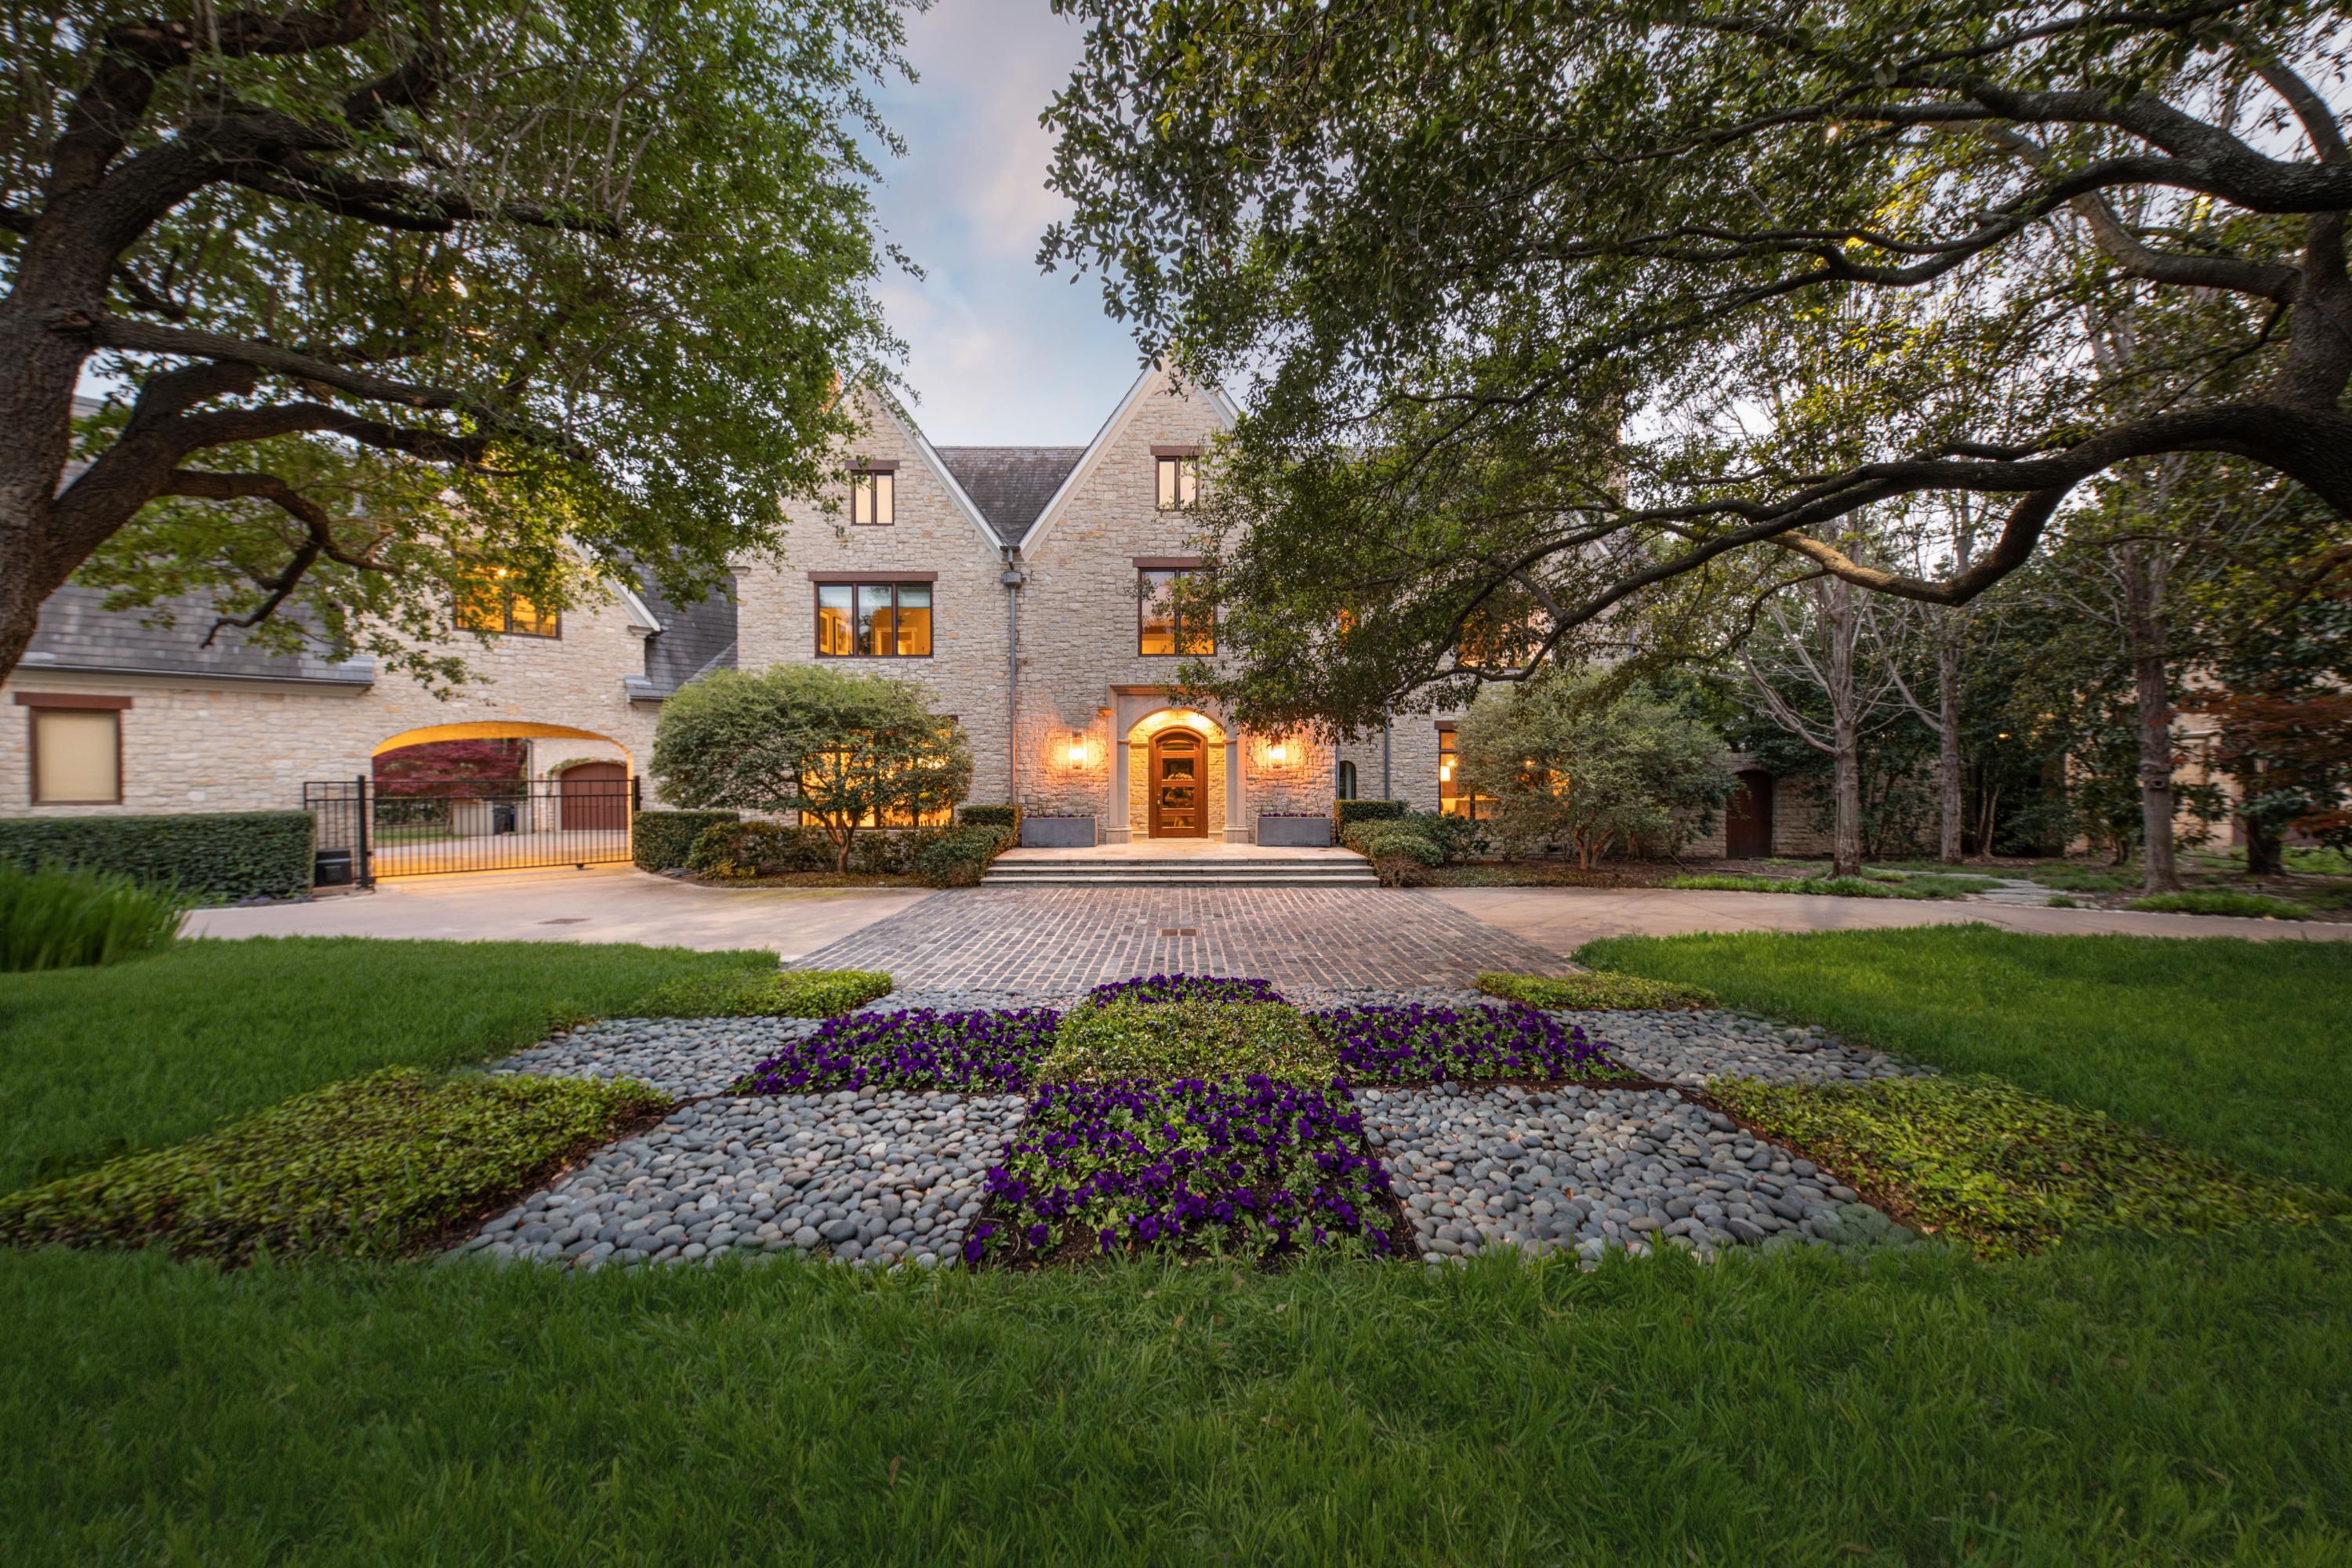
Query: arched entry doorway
(483, 795)
(1178, 785)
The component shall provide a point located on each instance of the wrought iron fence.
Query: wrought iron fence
(418, 828)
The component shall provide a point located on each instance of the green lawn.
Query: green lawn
(131, 1056)
(2238, 1048)
(2108, 1403)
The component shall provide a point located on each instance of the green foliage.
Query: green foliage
(839, 748)
(1833, 887)
(1353, 811)
(1399, 852)
(2214, 1043)
(216, 857)
(1580, 756)
(103, 1061)
(1162, 1041)
(738, 851)
(1455, 837)
(1006, 816)
(661, 840)
(960, 856)
(785, 994)
(367, 1169)
(2083, 878)
(512, 247)
(2221, 901)
(2061, 901)
(2007, 1171)
(53, 918)
(1598, 989)
(1932, 883)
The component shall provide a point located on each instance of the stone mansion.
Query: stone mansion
(1021, 585)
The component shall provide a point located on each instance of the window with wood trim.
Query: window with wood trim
(1452, 798)
(76, 756)
(833, 765)
(508, 614)
(1178, 481)
(873, 497)
(874, 620)
(1169, 622)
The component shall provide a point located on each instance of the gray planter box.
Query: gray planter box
(1295, 832)
(1057, 832)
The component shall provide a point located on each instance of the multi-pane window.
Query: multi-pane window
(1452, 798)
(1346, 786)
(873, 498)
(874, 620)
(827, 766)
(509, 615)
(1169, 622)
(1180, 481)
(76, 756)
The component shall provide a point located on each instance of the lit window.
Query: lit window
(508, 614)
(1452, 799)
(874, 620)
(872, 502)
(76, 756)
(1347, 787)
(824, 773)
(1165, 625)
(1180, 483)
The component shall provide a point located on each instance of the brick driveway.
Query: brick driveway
(1066, 939)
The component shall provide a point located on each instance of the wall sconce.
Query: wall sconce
(1077, 752)
(1278, 753)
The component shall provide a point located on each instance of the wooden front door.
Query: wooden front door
(1180, 785)
(1748, 817)
(595, 797)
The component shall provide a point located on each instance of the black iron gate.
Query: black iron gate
(421, 828)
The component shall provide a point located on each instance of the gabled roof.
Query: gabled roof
(1009, 485)
(1150, 381)
(77, 632)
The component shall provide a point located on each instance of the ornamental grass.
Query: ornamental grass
(1415, 1044)
(1242, 1167)
(776, 994)
(978, 1053)
(57, 917)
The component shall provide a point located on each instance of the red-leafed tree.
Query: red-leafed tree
(471, 768)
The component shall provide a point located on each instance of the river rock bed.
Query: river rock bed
(684, 1058)
(1693, 1047)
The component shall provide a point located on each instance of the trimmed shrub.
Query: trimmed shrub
(661, 840)
(763, 994)
(1169, 1040)
(368, 1169)
(214, 857)
(55, 918)
(1454, 836)
(1345, 811)
(1402, 856)
(739, 851)
(1006, 816)
(960, 857)
(1602, 988)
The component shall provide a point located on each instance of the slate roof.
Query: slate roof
(77, 632)
(694, 638)
(1011, 484)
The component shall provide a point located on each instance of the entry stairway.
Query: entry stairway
(1114, 868)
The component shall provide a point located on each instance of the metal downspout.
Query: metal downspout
(1012, 580)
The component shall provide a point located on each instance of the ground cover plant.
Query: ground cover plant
(1412, 1043)
(1832, 887)
(2229, 1048)
(1189, 1038)
(97, 1066)
(1185, 988)
(782, 994)
(978, 1053)
(1935, 884)
(1250, 1167)
(365, 1169)
(1598, 989)
(2221, 901)
(52, 917)
(2009, 1172)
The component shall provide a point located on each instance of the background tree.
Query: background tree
(844, 751)
(1499, 263)
(406, 303)
(1585, 756)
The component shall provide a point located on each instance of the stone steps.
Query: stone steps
(1190, 871)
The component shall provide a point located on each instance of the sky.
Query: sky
(1000, 353)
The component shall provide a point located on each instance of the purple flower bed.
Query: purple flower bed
(1185, 988)
(1413, 1044)
(1229, 1165)
(982, 1053)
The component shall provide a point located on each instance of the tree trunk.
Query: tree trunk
(1845, 848)
(2144, 595)
(841, 849)
(1947, 747)
(2265, 851)
(1843, 622)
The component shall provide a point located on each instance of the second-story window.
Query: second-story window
(874, 620)
(509, 615)
(1180, 480)
(873, 498)
(1169, 622)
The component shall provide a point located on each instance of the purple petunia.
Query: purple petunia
(991, 1053)
(1416, 1044)
(1184, 988)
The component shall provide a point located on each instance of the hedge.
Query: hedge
(1006, 816)
(1347, 811)
(214, 857)
(658, 840)
(960, 858)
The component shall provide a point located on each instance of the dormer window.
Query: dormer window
(873, 500)
(1180, 475)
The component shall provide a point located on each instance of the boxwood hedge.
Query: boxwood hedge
(659, 840)
(214, 857)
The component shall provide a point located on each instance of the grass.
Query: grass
(1832, 887)
(2221, 901)
(1598, 989)
(2115, 1403)
(2234, 1048)
(56, 918)
(101, 1062)
(367, 1169)
(767, 993)
(2062, 876)
(1934, 884)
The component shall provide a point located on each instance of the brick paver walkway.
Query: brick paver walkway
(1066, 939)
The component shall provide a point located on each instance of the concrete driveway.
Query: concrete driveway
(602, 903)
(1564, 919)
